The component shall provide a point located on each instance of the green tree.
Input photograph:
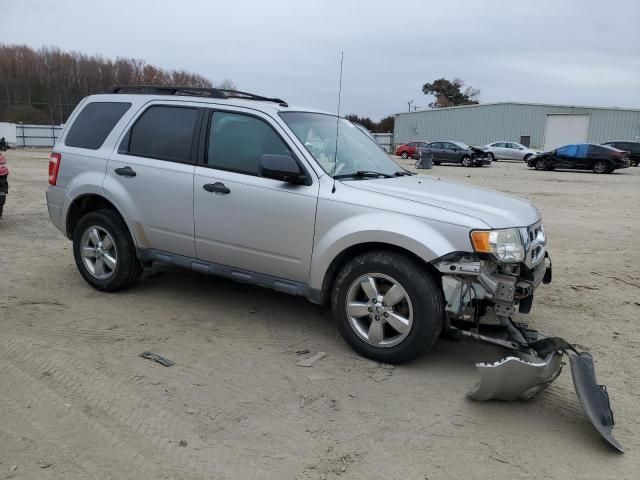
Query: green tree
(450, 94)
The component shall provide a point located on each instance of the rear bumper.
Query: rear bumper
(56, 198)
(4, 188)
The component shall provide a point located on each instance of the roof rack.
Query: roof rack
(192, 91)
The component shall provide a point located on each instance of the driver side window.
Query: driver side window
(237, 142)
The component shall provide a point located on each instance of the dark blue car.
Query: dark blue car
(581, 156)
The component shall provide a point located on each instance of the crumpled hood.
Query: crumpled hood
(497, 210)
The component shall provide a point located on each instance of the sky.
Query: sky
(576, 52)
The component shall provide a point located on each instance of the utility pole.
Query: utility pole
(409, 102)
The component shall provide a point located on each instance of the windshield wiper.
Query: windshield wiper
(401, 173)
(363, 173)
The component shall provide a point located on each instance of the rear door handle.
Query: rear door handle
(125, 171)
(217, 187)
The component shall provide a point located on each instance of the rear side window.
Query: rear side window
(162, 132)
(236, 142)
(94, 123)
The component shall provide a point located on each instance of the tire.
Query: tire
(541, 164)
(527, 157)
(492, 157)
(106, 224)
(435, 162)
(466, 162)
(421, 306)
(601, 167)
(404, 155)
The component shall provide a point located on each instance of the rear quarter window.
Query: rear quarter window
(94, 123)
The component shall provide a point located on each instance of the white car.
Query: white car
(508, 151)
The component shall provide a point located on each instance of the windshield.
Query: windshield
(357, 152)
(463, 146)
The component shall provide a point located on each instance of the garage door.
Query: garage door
(564, 129)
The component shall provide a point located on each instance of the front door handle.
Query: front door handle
(125, 171)
(217, 187)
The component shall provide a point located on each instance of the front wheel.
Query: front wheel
(466, 161)
(404, 155)
(541, 164)
(104, 251)
(492, 157)
(527, 157)
(387, 307)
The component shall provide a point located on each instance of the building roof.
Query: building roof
(519, 103)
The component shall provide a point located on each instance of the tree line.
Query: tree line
(43, 86)
(383, 126)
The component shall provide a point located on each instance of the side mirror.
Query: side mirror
(281, 167)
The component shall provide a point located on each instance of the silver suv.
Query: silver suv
(252, 189)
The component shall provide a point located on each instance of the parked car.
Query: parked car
(4, 181)
(454, 152)
(632, 147)
(581, 156)
(407, 150)
(508, 151)
(222, 183)
(248, 201)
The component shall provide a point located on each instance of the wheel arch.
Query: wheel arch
(86, 203)
(322, 295)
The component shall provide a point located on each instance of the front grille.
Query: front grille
(535, 241)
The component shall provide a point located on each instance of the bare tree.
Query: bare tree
(45, 85)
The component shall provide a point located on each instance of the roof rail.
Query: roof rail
(192, 91)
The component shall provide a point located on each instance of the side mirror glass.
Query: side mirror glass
(281, 167)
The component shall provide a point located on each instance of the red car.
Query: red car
(4, 183)
(406, 150)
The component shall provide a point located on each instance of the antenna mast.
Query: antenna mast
(335, 156)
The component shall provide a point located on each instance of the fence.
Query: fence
(37, 135)
(385, 140)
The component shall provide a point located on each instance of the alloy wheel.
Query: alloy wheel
(98, 251)
(600, 167)
(379, 310)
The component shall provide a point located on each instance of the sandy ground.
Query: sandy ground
(76, 401)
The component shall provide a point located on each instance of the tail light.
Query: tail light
(54, 165)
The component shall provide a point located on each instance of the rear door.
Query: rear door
(499, 150)
(150, 176)
(435, 149)
(252, 223)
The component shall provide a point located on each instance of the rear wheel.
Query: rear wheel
(601, 167)
(104, 251)
(466, 161)
(404, 155)
(387, 307)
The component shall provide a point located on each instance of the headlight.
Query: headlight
(506, 245)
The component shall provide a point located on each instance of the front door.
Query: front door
(150, 178)
(450, 153)
(565, 157)
(246, 221)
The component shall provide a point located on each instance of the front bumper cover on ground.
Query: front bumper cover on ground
(533, 366)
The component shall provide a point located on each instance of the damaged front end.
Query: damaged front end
(482, 295)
